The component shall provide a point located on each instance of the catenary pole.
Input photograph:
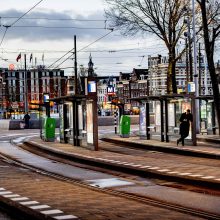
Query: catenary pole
(25, 85)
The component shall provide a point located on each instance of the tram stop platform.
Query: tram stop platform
(148, 161)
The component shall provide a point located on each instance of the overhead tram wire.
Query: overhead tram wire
(58, 27)
(3, 37)
(84, 48)
(57, 19)
(112, 63)
(129, 50)
(7, 26)
(70, 51)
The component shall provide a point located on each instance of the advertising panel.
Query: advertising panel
(91, 86)
(46, 97)
(142, 120)
(171, 114)
(157, 115)
(61, 111)
(89, 122)
(80, 117)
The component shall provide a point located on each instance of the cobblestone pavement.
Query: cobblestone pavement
(56, 198)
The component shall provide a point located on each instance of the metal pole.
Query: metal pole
(187, 67)
(161, 121)
(196, 117)
(25, 85)
(200, 76)
(75, 103)
(190, 52)
(75, 66)
(193, 124)
(115, 121)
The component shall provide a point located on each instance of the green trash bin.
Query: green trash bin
(49, 125)
(125, 125)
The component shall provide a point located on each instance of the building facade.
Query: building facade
(157, 67)
(16, 88)
(132, 85)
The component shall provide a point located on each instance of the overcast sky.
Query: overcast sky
(50, 27)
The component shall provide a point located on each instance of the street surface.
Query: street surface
(132, 185)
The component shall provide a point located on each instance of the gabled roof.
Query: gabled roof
(140, 71)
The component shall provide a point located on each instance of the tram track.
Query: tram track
(145, 200)
(108, 167)
(134, 197)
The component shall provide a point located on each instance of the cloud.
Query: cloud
(51, 25)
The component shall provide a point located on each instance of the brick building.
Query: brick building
(38, 82)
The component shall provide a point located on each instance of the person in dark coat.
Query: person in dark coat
(26, 120)
(185, 120)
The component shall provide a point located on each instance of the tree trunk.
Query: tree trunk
(171, 75)
(210, 60)
(215, 89)
(169, 78)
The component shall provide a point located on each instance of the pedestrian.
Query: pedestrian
(26, 120)
(185, 120)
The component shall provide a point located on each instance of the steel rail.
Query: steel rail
(134, 197)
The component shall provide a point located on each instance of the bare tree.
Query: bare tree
(210, 11)
(163, 18)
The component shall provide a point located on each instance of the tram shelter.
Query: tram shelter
(160, 115)
(78, 120)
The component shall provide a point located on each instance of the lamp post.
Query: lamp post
(188, 48)
(25, 85)
(195, 106)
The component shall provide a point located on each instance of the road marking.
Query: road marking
(11, 195)
(29, 203)
(64, 217)
(20, 199)
(173, 172)
(184, 174)
(5, 192)
(196, 175)
(208, 177)
(136, 165)
(164, 170)
(145, 166)
(39, 207)
(53, 211)
(153, 168)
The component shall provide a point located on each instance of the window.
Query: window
(21, 75)
(21, 98)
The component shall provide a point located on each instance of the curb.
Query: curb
(209, 140)
(131, 169)
(17, 209)
(173, 150)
